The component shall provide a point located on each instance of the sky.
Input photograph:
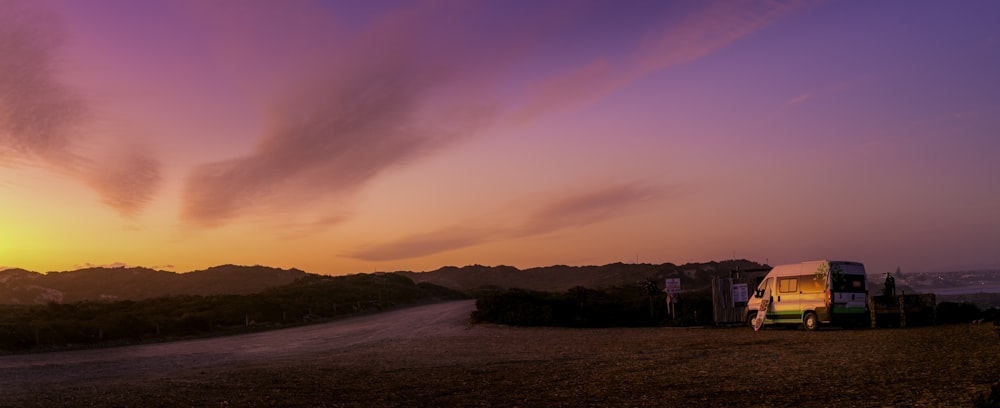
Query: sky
(353, 136)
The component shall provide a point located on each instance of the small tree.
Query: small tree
(651, 290)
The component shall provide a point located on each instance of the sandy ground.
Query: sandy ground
(432, 356)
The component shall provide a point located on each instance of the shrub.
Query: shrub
(583, 307)
(990, 400)
(950, 312)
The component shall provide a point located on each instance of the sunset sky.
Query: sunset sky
(356, 136)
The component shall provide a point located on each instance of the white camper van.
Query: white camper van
(810, 294)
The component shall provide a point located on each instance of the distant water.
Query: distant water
(987, 287)
(952, 283)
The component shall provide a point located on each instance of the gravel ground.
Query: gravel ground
(431, 356)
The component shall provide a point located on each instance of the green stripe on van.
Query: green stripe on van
(787, 317)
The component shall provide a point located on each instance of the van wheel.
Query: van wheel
(750, 319)
(810, 321)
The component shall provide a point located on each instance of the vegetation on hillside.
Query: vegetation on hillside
(18, 286)
(631, 306)
(560, 278)
(309, 299)
(317, 298)
(620, 306)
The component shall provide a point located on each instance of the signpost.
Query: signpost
(673, 288)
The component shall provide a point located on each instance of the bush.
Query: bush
(583, 307)
(950, 312)
(520, 307)
(990, 400)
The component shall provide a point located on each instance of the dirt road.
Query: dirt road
(431, 356)
(47, 370)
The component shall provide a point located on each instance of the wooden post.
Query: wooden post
(902, 311)
(871, 310)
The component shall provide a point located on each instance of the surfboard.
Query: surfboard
(765, 302)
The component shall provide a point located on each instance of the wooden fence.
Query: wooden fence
(729, 302)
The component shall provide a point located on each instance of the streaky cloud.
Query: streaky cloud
(295, 229)
(331, 138)
(362, 114)
(126, 181)
(568, 211)
(37, 113)
(390, 96)
(42, 119)
(112, 265)
(586, 208)
(707, 29)
(424, 244)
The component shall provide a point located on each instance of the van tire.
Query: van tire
(750, 319)
(810, 321)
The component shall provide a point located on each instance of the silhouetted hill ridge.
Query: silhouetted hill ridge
(19, 286)
(559, 278)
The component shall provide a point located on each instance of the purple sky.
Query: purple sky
(343, 137)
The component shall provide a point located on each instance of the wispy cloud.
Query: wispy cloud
(37, 113)
(799, 99)
(126, 181)
(705, 30)
(674, 41)
(586, 208)
(414, 246)
(330, 138)
(108, 265)
(41, 118)
(334, 132)
(576, 86)
(381, 101)
(568, 211)
(827, 91)
(294, 229)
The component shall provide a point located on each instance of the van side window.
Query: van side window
(811, 284)
(787, 285)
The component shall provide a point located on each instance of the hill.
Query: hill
(560, 278)
(18, 286)
(311, 298)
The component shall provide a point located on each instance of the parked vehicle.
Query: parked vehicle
(811, 294)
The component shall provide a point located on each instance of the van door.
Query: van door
(787, 308)
(812, 296)
(849, 289)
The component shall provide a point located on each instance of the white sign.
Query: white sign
(740, 293)
(673, 286)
